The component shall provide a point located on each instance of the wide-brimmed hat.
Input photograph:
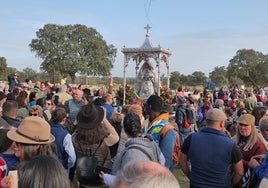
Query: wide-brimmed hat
(32, 130)
(191, 99)
(90, 116)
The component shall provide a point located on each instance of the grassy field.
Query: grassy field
(183, 180)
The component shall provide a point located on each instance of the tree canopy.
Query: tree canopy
(219, 75)
(72, 49)
(247, 67)
(250, 66)
(3, 68)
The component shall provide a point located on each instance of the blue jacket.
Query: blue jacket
(11, 160)
(262, 170)
(166, 143)
(64, 153)
(109, 111)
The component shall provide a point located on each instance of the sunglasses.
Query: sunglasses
(48, 104)
(33, 114)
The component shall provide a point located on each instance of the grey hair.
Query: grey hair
(146, 175)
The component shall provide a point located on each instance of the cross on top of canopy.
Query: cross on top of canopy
(147, 49)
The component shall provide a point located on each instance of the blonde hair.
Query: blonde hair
(116, 117)
(136, 109)
(253, 138)
(240, 103)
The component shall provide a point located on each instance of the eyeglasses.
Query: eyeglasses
(33, 114)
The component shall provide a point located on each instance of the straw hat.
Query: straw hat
(32, 130)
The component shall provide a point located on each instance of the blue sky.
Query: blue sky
(200, 34)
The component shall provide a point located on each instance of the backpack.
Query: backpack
(189, 118)
(87, 169)
(177, 146)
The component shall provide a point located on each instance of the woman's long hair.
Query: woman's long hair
(31, 150)
(90, 136)
(253, 138)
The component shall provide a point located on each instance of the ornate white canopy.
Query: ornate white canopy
(146, 53)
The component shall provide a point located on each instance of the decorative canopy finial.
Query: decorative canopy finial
(147, 27)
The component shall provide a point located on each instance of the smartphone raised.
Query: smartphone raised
(99, 168)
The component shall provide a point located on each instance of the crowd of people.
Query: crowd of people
(46, 128)
(230, 146)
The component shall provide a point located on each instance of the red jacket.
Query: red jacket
(258, 149)
(3, 169)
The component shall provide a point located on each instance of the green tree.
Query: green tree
(72, 49)
(185, 80)
(198, 78)
(29, 73)
(174, 79)
(3, 68)
(246, 65)
(219, 76)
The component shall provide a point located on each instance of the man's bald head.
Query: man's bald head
(146, 175)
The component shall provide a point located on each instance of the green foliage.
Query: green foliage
(197, 78)
(174, 79)
(3, 68)
(247, 65)
(73, 49)
(29, 73)
(33, 75)
(219, 76)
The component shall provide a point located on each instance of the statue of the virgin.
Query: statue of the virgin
(146, 83)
